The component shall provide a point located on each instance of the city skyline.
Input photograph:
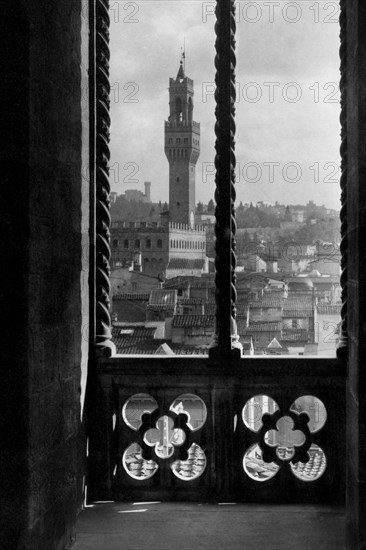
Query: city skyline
(278, 139)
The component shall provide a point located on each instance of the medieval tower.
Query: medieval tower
(182, 148)
(175, 246)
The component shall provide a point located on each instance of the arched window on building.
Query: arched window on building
(125, 243)
(137, 243)
(160, 243)
(148, 243)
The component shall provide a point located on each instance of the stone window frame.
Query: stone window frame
(226, 337)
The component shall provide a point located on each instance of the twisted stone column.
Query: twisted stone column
(103, 320)
(226, 338)
(342, 348)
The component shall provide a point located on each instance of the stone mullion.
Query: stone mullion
(342, 348)
(103, 320)
(226, 339)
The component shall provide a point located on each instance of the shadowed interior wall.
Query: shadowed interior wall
(44, 269)
(356, 216)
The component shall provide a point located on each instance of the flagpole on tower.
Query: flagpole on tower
(184, 55)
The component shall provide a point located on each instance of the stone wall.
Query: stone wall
(44, 280)
(356, 215)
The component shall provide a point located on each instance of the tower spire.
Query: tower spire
(182, 66)
(184, 55)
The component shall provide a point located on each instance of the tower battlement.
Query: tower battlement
(186, 227)
(181, 126)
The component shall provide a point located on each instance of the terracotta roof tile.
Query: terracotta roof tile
(296, 335)
(264, 327)
(266, 303)
(185, 263)
(132, 296)
(241, 309)
(183, 321)
(297, 313)
(163, 299)
(132, 337)
(329, 309)
(190, 301)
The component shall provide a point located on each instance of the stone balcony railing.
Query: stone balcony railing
(193, 429)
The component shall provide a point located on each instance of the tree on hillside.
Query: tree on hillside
(211, 207)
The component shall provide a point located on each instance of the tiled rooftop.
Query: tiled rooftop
(185, 263)
(264, 327)
(328, 309)
(296, 335)
(190, 301)
(241, 309)
(131, 336)
(297, 313)
(132, 296)
(266, 303)
(183, 321)
(162, 299)
(210, 308)
(181, 283)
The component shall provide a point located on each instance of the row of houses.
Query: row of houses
(273, 316)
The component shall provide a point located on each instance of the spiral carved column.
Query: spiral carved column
(226, 341)
(342, 348)
(103, 320)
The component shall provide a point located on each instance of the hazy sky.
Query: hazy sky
(287, 140)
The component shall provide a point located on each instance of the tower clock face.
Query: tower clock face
(192, 220)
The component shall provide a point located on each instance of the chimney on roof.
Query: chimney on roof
(147, 191)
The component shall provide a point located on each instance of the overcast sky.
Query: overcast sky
(287, 140)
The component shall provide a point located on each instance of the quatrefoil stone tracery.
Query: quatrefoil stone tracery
(187, 414)
(164, 437)
(285, 438)
(307, 413)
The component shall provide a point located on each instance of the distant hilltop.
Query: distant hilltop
(135, 194)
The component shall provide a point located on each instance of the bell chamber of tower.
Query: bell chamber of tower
(182, 149)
